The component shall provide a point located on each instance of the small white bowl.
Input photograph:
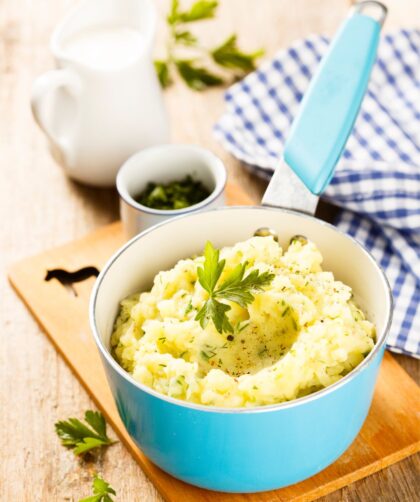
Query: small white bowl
(163, 164)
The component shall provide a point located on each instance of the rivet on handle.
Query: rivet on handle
(368, 8)
(266, 232)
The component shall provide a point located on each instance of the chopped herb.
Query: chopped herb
(189, 308)
(183, 353)
(101, 489)
(81, 438)
(173, 195)
(242, 325)
(285, 311)
(207, 355)
(162, 339)
(163, 365)
(235, 288)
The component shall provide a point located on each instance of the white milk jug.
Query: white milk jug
(104, 101)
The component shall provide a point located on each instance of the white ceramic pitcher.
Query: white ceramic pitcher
(104, 102)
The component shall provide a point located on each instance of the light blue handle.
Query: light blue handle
(331, 104)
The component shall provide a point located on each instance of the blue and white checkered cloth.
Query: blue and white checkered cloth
(377, 181)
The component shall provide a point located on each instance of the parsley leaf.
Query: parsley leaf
(215, 311)
(230, 56)
(201, 9)
(196, 77)
(162, 70)
(235, 288)
(101, 490)
(173, 15)
(210, 273)
(185, 38)
(75, 434)
(97, 421)
(238, 289)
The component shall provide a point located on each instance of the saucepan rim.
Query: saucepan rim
(218, 409)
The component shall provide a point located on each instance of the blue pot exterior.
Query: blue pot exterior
(249, 450)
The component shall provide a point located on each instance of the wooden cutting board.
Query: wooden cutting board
(391, 431)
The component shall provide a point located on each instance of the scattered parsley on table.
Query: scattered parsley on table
(191, 60)
(80, 437)
(102, 491)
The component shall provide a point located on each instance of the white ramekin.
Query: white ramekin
(162, 164)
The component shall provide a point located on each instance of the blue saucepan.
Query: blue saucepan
(262, 448)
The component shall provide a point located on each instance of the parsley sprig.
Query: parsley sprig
(236, 288)
(75, 434)
(101, 489)
(193, 69)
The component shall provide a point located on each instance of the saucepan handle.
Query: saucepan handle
(331, 103)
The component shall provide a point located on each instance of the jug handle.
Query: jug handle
(43, 105)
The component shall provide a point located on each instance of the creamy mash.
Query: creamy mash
(301, 333)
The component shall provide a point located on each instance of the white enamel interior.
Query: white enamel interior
(134, 266)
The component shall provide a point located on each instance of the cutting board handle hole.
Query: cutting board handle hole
(67, 279)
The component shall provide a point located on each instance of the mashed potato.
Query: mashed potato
(300, 334)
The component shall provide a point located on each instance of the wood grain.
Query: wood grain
(40, 209)
(64, 318)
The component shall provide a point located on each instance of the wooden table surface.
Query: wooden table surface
(40, 208)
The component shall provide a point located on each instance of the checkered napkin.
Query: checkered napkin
(377, 181)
